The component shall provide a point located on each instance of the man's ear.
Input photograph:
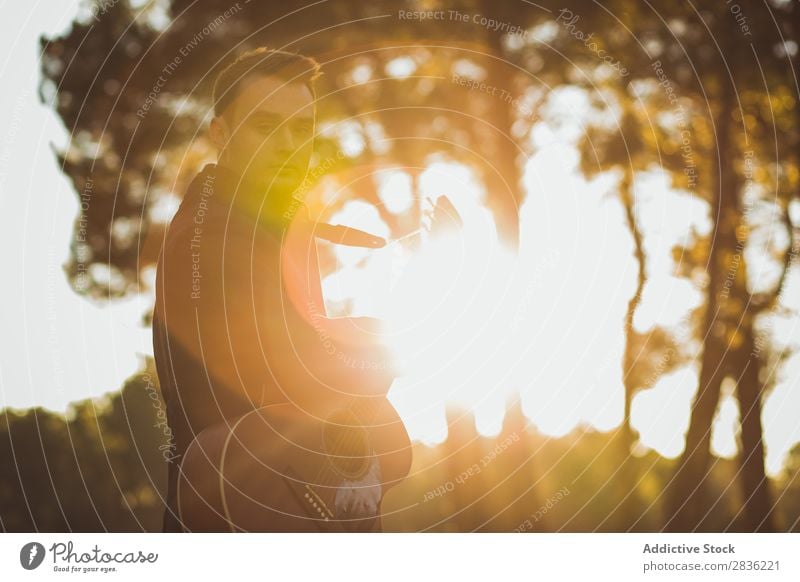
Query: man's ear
(219, 132)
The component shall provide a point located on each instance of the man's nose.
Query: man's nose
(286, 139)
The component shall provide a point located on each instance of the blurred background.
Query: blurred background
(613, 343)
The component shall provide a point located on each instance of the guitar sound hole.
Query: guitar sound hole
(346, 444)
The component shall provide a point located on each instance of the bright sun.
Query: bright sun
(474, 326)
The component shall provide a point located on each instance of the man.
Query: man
(239, 320)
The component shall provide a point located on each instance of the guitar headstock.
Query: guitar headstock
(438, 218)
(442, 217)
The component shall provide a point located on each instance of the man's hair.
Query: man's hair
(262, 62)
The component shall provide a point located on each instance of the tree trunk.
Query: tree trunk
(629, 357)
(757, 506)
(503, 176)
(686, 496)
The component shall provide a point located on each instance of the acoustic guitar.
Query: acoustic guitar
(277, 469)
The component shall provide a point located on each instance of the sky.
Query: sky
(567, 292)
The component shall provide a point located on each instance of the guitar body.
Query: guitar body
(277, 469)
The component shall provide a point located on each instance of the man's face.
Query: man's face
(268, 135)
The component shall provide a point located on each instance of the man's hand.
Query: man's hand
(352, 237)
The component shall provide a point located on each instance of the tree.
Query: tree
(707, 102)
(100, 467)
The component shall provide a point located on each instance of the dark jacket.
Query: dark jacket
(239, 321)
